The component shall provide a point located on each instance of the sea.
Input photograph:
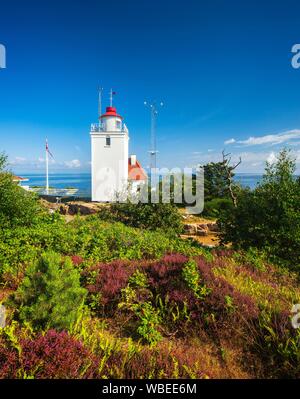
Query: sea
(82, 181)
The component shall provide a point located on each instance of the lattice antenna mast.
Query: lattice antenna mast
(153, 152)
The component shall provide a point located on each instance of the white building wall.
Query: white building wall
(109, 163)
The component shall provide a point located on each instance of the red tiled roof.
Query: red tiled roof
(136, 172)
(18, 178)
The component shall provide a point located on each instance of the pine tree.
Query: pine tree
(50, 295)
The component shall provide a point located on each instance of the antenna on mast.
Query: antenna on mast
(100, 101)
(111, 97)
(154, 112)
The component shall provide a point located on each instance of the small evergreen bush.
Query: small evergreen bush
(50, 295)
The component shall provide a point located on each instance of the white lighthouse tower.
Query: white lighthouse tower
(113, 172)
(109, 162)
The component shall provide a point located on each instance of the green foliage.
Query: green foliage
(268, 217)
(3, 161)
(268, 286)
(172, 313)
(216, 180)
(148, 317)
(279, 344)
(146, 216)
(216, 206)
(17, 206)
(156, 303)
(22, 245)
(169, 298)
(229, 303)
(253, 257)
(90, 238)
(149, 321)
(138, 279)
(192, 278)
(50, 295)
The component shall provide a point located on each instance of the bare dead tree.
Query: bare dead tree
(229, 171)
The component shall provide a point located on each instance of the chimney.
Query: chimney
(132, 160)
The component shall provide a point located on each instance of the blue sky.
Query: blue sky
(222, 68)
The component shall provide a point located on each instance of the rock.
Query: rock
(208, 227)
(201, 232)
(74, 209)
(209, 245)
(2, 316)
(213, 227)
(63, 210)
(190, 229)
(200, 229)
(202, 226)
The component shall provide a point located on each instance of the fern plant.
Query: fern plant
(192, 278)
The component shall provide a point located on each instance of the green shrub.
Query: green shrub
(147, 316)
(216, 206)
(138, 279)
(268, 217)
(191, 276)
(89, 238)
(252, 257)
(50, 295)
(146, 216)
(216, 183)
(22, 245)
(17, 206)
(149, 321)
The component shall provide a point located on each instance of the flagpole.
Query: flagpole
(111, 97)
(47, 169)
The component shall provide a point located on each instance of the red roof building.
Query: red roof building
(135, 170)
(19, 179)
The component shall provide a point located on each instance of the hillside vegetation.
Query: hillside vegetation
(97, 298)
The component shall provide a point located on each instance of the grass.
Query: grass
(268, 292)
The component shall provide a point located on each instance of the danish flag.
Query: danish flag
(48, 151)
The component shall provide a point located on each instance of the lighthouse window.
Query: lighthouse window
(107, 141)
(118, 124)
